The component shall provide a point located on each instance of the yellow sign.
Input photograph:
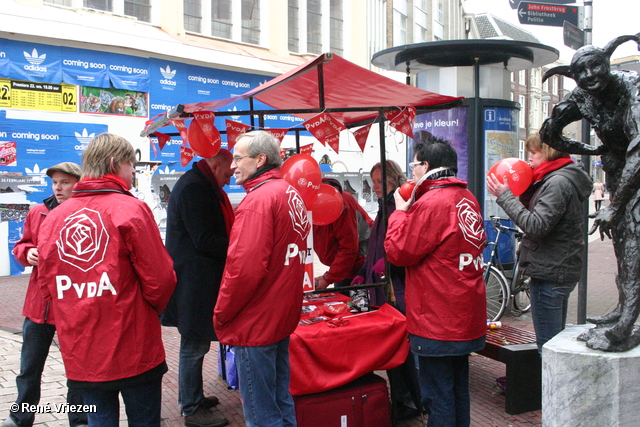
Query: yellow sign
(38, 96)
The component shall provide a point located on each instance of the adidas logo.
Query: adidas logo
(168, 75)
(83, 138)
(35, 60)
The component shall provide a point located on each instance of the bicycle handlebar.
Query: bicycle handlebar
(497, 223)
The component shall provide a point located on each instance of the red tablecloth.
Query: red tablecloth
(323, 358)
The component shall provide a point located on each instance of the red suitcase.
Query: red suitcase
(361, 403)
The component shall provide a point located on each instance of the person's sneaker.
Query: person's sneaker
(203, 417)
(210, 402)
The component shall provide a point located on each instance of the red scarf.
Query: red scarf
(225, 204)
(540, 172)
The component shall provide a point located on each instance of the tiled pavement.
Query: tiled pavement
(487, 403)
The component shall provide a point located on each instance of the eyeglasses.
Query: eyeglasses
(238, 158)
(413, 165)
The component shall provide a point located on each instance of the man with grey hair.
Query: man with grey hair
(260, 297)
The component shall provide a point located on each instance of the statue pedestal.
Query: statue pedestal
(583, 387)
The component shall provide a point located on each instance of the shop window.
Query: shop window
(192, 15)
(221, 22)
(106, 5)
(141, 9)
(336, 32)
(251, 21)
(314, 26)
(294, 26)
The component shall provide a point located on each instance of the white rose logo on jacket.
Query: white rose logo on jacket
(83, 240)
(471, 223)
(298, 213)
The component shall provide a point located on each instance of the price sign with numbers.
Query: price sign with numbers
(38, 96)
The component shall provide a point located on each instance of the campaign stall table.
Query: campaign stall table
(324, 356)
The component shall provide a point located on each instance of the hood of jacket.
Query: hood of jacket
(578, 177)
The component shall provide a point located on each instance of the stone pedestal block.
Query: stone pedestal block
(582, 387)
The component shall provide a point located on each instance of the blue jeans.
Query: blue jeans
(192, 352)
(36, 340)
(549, 305)
(263, 377)
(142, 404)
(444, 386)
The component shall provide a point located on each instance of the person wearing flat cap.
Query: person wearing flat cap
(38, 328)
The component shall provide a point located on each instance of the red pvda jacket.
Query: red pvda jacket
(103, 262)
(260, 295)
(439, 241)
(337, 245)
(35, 307)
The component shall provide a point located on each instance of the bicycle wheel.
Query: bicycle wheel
(497, 293)
(521, 296)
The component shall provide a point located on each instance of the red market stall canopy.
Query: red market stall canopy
(328, 83)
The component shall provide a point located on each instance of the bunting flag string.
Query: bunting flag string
(205, 120)
(234, 130)
(402, 120)
(361, 136)
(278, 133)
(182, 128)
(186, 155)
(323, 127)
(306, 149)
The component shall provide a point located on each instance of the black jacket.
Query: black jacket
(197, 241)
(553, 242)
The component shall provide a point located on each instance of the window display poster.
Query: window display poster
(113, 101)
(447, 124)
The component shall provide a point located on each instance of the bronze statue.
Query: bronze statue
(610, 102)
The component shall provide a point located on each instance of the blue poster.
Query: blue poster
(84, 67)
(128, 72)
(38, 145)
(32, 62)
(15, 234)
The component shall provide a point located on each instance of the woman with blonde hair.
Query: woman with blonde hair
(550, 215)
(109, 275)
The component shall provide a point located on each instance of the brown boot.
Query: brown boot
(203, 417)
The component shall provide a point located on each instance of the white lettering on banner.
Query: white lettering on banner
(292, 252)
(84, 64)
(64, 283)
(467, 259)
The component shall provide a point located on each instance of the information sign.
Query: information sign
(38, 96)
(547, 14)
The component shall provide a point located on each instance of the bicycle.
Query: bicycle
(502, 288)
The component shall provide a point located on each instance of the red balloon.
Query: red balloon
(328, 206)
(199, 142)
(406, 189)
(303, 172)
(518, 172)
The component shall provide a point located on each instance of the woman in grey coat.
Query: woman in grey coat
(550, 215)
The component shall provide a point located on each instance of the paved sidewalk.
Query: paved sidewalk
(487, 403)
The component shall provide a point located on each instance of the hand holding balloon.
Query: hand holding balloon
(406, 189)
(510, 173)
